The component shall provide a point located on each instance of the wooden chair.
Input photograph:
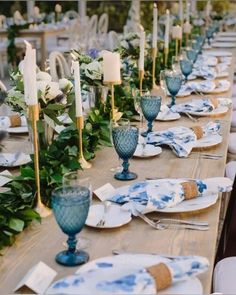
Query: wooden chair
(59, 67)
(112, 40)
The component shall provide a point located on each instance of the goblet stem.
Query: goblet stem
(125, 165)
(172, 101)
(72, 242)
(149, 126)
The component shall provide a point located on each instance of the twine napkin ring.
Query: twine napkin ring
(15, 120)
(190, 190)
(161, 275)
(198, 131)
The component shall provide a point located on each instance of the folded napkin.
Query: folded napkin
(197, 105)
(206, 60)
(182, 139)
(164, 113)
(12, 121)
(109, 278)
(204, 72)
(202, 86)
(152, 195)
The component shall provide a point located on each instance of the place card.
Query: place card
(3, 177)
(104, 192)
(37, 279)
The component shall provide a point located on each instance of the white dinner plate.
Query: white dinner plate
(14, 159)
(115, 216)
(192, 204)
(219, 53)
(224, 44)
(171, 116)
(227, 34)
(20, 129)
(221, 86)
(148, 151)
(222, 74)
(208, 141)
(225, 39)
(127, 263)
(217, 111)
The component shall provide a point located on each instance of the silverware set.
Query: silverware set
(191, 117)
(166, 223)
(208, 156)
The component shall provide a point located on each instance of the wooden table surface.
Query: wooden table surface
(43, 241)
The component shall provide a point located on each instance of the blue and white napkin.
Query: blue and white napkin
(106, 277)
(153, 195)
(204, 72)
(196, 105)
(202, 86)
(181, 139)
(5, 121)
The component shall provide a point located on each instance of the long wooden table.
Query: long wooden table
(42, 35)
(44, 241)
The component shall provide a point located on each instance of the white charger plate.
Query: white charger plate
(171, 116)
(149, 151)
(208, 141)
(129, 262)
(222, 86)
(20, 129)
(218, 111)
(192, 204)
(227, 34)
(9, 159)
(219, 53)
(115, 216)
(224, 44)
(225, 39)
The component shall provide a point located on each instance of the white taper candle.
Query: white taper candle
(78, 100)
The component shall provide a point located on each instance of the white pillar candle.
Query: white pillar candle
(177, 32)
(30, 75)
(142, 50)
(78, 100)
(154, 30)
(111, 67)
(181, 11)
(187, 10)
(187, 27)
(167, 29)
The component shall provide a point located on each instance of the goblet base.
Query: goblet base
(71, 259)
(125, 175)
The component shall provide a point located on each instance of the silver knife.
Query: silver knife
(120, 252)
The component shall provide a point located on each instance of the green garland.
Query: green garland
(12, 34)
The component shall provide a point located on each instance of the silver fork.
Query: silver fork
(191, 117)
(160, 226)
(102, 221)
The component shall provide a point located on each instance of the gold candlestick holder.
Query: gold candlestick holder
(166, 52)
(141, 76)
(80, 126)
(111, 84)
(154, 56)
(187, 39)
(176, 47)
(34, 117)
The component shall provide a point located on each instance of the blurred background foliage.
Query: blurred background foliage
(118, 10)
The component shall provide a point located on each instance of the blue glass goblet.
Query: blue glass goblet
(209, 35)
(70, 206)
(192, 55)
(125, 140)
(186, 67)
(173, 82)
(150, 107)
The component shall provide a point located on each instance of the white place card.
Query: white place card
(104, 192)
(3, 177)
(38, 278)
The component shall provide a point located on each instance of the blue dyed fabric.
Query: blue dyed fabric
(197, 105)
(152, 195)
(181, 139)
(123, 278)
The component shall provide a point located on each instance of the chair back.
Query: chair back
(112, 40)
(71, 14)
(59, 67)
(93, 25)
(103, 24)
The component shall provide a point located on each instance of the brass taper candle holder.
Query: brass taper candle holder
(80, 126)
(111, 84)
(141, 76)
(34, 117)
(154, 56)
(176, 47)
(166, 52)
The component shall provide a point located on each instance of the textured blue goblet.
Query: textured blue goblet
(150, 106)
(173, 83)
(192, 55)
(186, 67)
(70, 206)
(125, 140)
